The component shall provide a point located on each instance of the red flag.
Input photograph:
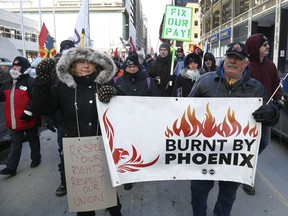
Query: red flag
(198, 51)
(46, 43)
(115, 54)
(132, 47)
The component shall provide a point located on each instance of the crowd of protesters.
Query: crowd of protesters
(244, 69)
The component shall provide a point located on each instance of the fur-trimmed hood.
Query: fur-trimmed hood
(101, 60)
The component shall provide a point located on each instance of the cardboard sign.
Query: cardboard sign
(177, 24)
(87, 176)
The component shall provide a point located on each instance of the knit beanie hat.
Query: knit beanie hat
(165, 45)
(263, 39)
(22, 62)
(132, 59)
(66, 44)
(192, 57)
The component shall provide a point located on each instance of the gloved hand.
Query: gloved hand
(266, 114)
(106, 92)
(27, 115)
(172, 78)
(44, 70)
(49, 123)
(279, 103)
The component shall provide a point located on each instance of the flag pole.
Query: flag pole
(54, 24)
(280, 85)
(88, 20)
(40, 15)
(22, 30)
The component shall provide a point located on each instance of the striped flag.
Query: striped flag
(132, 47)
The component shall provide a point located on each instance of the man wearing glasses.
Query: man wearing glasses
(232, 79)
(263, 70)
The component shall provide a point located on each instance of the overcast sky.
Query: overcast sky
(154, 10)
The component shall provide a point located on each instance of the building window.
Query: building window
(196, 10)
(196, 23)
(195, 35)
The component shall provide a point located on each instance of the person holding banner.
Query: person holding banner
(263, 70)
(81, 72)
(232, 79)
(160, 69)
(134, 82)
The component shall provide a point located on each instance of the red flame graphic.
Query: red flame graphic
(135, 163)
(191, 126)
(226, 130)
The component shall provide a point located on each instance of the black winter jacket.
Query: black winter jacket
(161, 67)
(213, 84)
(75, 96)
(138, 84)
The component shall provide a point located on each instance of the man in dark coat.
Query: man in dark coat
(263, 70)
(231, 80)
(160, 69)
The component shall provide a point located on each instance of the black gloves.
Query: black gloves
(106, 92)
(266, 114)
(279, 103)
(27, 115)
(49, 123)
(44, 70)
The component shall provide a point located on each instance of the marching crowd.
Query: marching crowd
(65, 87)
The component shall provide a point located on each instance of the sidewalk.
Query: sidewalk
(32, 191)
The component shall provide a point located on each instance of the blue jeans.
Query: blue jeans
(200, 190)
(265, 138)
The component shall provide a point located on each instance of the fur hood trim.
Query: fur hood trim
(101, 60)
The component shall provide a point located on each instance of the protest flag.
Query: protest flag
(115, 53)
(46, 43)
(123, 41)
(132, 47)
(82, 29)
(284, 83)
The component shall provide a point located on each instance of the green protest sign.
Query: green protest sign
(178, 23)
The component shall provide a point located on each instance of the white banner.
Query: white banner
(165, 138)
(87, 176)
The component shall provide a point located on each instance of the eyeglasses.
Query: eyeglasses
(265, 44)
(132, 66)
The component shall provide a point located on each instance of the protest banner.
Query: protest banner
(177, 23)
(87, 176)
(157, 138)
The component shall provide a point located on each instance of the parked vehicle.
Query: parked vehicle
(281, 129)
(34, 64)
(5, 66)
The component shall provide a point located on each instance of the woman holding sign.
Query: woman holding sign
(80, 73)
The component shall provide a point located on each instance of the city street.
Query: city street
(32, 191)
